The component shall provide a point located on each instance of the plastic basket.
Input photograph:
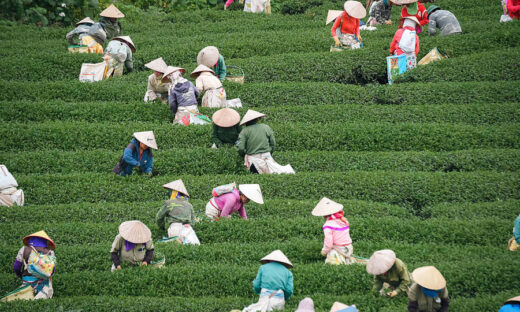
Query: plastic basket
(238, 78)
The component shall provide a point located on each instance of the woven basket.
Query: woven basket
(239, 78)
(78, 49)
(158, 260)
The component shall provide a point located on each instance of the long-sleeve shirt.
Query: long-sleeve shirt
(207, 80)
(112, 29)
(421, 14)
(516, 229)
(381, 12)
(134, 256)
(225, 135)
(349, 25)
(229, 203)
(337, 233)
(445, 21)
(394, 46)
(274, 276)
(398, 277)
(220, 68)
(133, 157)
(156, 84)
(419, 302)
(81, 30)
(113, 48)
(513, 8)
(177, 210)
(23, 256)
(255, 139)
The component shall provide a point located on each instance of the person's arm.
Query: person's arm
(160, 216)
(222, 68)
(199, 84)
(129, 62)
(195, 90)
(172, 99)
(214, 136)
(413, 306)
(404, 277)
(114, 251)
(228, 3)
(128, 157)
(432, 27)
(358, 34)
(416, 45)
(70, 37)
(424, 17)
(272, 141)
(378, 283)
(257, 283)
(333, 29)
(395, 40)
(149, 164)
(288, 291)
(516, 230)
(148, 256)
(242, 212)
(445, 305)
(115, 259)
(369, 2)
(241, 148)
(327, 242)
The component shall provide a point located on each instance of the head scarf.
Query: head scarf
(38, 242)
(338, 215)
(430, 292)
(176, 77)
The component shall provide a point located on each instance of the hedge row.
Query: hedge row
(289, 136)
(194, 161)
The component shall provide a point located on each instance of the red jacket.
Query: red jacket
(422, 15)
(394, 46)
(349, 25)
(513, 8)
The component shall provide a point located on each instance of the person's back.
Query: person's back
(274, 276)
(112, 28)
(185, 94)
(445, 21)
(256, 139)
(176, 210)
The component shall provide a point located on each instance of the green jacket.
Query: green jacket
(177, 210)
(220, 68)
(255, 139)
(398, 277)
(112, 29)
(227, 135)
(419, 302)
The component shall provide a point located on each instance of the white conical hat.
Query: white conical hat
(201, 68)
(147, 138)
(251, 115)
(277, 256)
(158, 65)
(306, 305)
(127, 40)
(380, 262)
(135, 232)
(86, 20)
(338, 306)
(226, 117)
(253, 192)
(429, 277)
(178, 186)
(413, 18)
(208, 56)
(355, 9)
(403, 2)
(112, 11)
(170, 69)
(513, 300)
(326, 207)
(332, 15)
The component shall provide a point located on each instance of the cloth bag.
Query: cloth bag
(9, 194)
(396, 65)
(92, 72)
(432, 56)
(39, 265)
(407, 42)
(270, 300)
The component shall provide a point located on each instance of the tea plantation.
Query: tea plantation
(428, 167)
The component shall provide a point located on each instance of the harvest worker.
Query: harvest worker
(391, 276)
(211, 57)
(412, 8)
(256, 143)
(109, 21)
(227, 199)
(380, 12)
(337, 245)
(118, 52)
(274, 283)
(225, 127)
(38, 252)
(341, 307)
(428, 293)
(511, 305)
(406, 41)
(214, 95)
(138, 154)
(444, 20)
(157, 86)
(254, 6)
(133, 245)
(512, 8)
(82, 31)
(182, 94)
(177, 214)
(514, 242)
(345, 30)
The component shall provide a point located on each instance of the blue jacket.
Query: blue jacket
(510, 307)
(274, 276)
(131, 157)
(516, 229)
(182, 94)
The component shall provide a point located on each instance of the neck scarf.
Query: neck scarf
(129, 245)
(429, 292)
(338, 215)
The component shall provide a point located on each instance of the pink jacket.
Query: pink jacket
(337, 233)
(229, 203)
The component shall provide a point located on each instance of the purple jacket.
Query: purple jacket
(229, 203)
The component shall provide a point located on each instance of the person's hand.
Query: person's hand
(118, 267)
(337, 42)
(389, 22)
(144, 263)
(323, 253)
(391, 294)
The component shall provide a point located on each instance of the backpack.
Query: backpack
(223, 189)
(121, 164)
(39, 265)
(407, 42)
(117, 50)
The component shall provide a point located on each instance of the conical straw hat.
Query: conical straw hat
(112, 11)
(277, 256)
(41, 234)
(429, 277)
(332, 15)
(201, 68)
(413, 18)
(253, 192)
(208, 56)
(355, 9)
(380, 262)
(326, 207)
(178, 186)
(402, 2)
(127, 40)
(158, 65)
(170, 69)
(226, 117)
(135, 232)
(147, 138)
(251, 115)
(338, 306)
(306, 305)
(513, 300)
(86, 20)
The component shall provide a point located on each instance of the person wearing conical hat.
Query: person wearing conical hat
(225, 127)
(211, 57)
(514, 242)
(254, 6)
(82, 30)
(511, 305)
(138, 154)
(110, 21)
(406, 41)
(214, 93)
(428, 292)
(37, 244)
(391, 276)
(119, 52)
(380, 12)
(512, 9)
(274, 283)
(177, 216)
(442, 19)
(182, 95)
(133, 245)
(337, 244)
(413, 8)
(256, 143)
(231, 199)
(158, 86)
(345, 30)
